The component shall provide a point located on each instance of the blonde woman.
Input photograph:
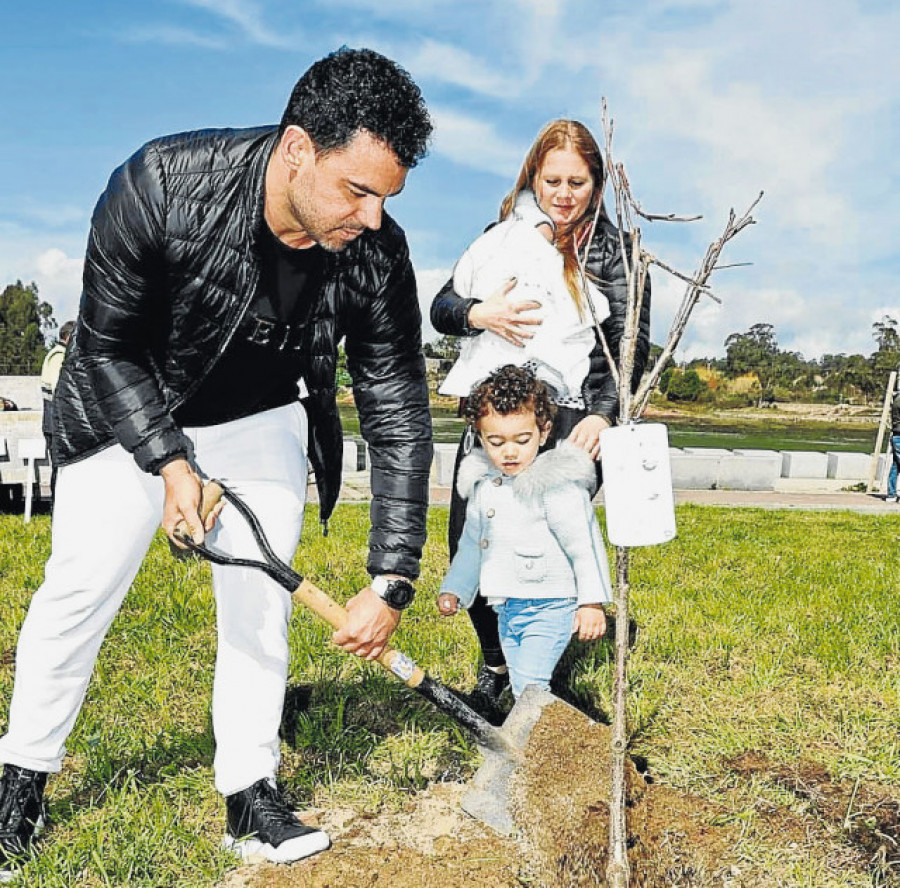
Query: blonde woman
(538, 289)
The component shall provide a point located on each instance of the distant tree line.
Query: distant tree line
(776, 375)
(756, 371)
(25, 325)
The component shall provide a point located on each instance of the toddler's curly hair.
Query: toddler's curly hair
(510, 389)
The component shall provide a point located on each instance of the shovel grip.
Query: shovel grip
(322, 604)
(210, 494)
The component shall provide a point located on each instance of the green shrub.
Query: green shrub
(685, 386)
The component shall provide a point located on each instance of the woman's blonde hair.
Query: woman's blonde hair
(574, 136)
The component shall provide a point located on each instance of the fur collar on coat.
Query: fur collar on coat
(565, 464)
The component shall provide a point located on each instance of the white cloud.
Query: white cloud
(172, 36)
(247, 16)
(429, 281)
(58, 277)
(783, 146)
(474, 143)
(450, 64)
(48, 262)
(58, 216)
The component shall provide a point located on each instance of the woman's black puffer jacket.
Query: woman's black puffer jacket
(449, 315)
(172, 267)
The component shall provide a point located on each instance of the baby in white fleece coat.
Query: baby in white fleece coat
(531, 542)
(519, 247)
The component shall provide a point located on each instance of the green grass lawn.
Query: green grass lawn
(767, 631)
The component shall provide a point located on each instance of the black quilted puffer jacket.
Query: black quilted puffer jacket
(449, 314)
(172, 267)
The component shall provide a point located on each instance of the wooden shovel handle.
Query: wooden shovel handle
(210, 494)
(328, 609)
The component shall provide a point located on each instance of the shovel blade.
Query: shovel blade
(488, 796)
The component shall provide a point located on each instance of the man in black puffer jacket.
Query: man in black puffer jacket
(223, 268)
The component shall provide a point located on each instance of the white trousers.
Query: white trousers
(105, 515)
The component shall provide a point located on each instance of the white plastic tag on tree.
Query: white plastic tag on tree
(637, 484)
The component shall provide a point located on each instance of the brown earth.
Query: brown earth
(826, 413)
(559, 795)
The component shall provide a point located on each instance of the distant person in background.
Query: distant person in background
(895, 450)
(49, 377)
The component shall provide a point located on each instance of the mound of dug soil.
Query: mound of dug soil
(560, 803)
(562, 809)
(560, 799)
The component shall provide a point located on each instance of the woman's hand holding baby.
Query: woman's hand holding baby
(504, 318)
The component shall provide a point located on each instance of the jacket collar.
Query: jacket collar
(255, 194)
(564, 464)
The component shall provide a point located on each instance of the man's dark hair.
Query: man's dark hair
(65, 331)
(358, 89)
(510, 389)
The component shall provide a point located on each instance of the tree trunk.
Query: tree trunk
(618, 871)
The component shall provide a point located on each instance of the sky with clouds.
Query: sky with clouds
(713, 101)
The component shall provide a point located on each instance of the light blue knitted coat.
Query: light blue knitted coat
(533, 535)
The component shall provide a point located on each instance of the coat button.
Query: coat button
(491, 513)
(528, 565)
(484, 543)
(498, 481)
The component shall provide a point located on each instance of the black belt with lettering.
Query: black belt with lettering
(272, 333)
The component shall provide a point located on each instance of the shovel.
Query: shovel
(487, 798)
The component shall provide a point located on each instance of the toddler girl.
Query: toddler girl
(531, 543)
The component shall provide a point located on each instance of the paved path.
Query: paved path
(356, 489)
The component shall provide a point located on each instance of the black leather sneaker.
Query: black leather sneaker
(261, 824)
(491, 684)
(21, 816)
(487, 697)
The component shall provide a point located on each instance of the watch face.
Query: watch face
(396, 592)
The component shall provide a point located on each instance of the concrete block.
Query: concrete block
(32, 448)
(849, 466)
(362, 455)
(707, 451)
(749, 472)
(442, 468)
(356, 455)
(804, 464)
(740, 451)
(697, 470)
(24, 391)
(350, 457)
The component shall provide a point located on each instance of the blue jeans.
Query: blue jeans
(534, 632)
(895, 466)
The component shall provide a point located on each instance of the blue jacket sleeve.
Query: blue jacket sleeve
(573, 522)
(463, 577)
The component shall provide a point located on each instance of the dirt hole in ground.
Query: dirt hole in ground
(866, 814)
(560, 801)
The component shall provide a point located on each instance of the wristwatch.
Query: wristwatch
(394, 591)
